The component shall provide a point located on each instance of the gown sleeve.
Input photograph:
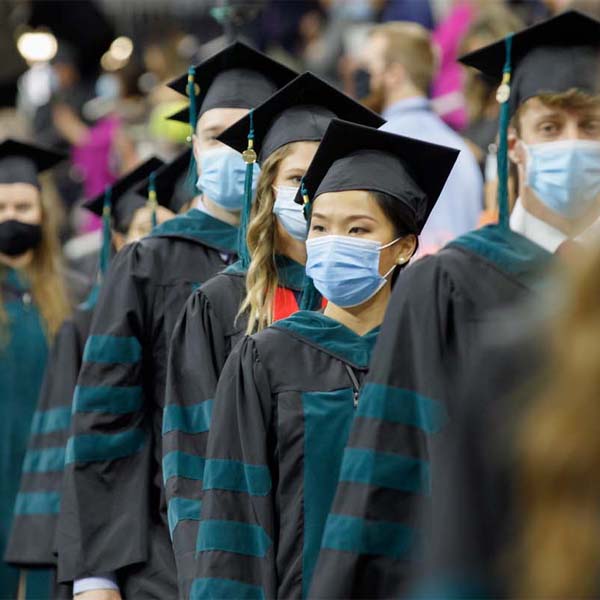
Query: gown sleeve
(197, 354)
(371, 534)
(236, 541)
(31, 542)
(104, 524)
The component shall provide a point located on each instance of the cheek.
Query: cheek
(33, 216)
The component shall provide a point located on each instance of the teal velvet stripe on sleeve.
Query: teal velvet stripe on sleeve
(212, 587)
(97, 447)
(108, 399)
(402, 406)
(182, 509)
(188, 419)
(233, 536)
(112, 349)
(361, 536)
(182, 464)
(37, 503)
(235, 476)
(44, 460)
(51, 421)
(386, 470)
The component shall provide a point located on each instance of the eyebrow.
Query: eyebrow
(347, 219)
(214, 130)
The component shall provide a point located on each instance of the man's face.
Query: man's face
(210, 125)
(373, 61)
(541, 123)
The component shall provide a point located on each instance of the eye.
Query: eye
(317, 228)
(23, 207)
(549, 128)
(297, 179)
(592, 127)
(358, 231)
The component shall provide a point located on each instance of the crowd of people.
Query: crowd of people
(270, 331)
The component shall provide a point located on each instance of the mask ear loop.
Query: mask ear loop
(311, 299)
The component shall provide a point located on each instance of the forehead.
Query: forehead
(18, 191)
(347, 204)
(537, 107)
(220, 118)
(300, 153)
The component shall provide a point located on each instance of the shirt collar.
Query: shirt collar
(406, 105)
(535, 229)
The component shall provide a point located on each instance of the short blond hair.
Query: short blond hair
(409, 44)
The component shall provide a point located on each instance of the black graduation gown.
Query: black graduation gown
(113, 514)
(282, 411)
(204, 335)
(438, 308)
(32, 539)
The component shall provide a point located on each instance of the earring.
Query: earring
(402, 260)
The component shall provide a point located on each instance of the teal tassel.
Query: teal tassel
(152, 200)
(104, 257)
(503, 96)
(307, 203)
(250, 159)
(192, 175)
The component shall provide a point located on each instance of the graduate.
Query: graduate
(444, 303)
(113, 529)
(287, 394)
(286, 131)
(34, 301)
(32, 538)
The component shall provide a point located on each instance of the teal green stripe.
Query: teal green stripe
(108, 399)
(382, 469)
(233, 536)
(44, 460)
(181, 464)
(104, 446)
(398, 405)
(182, 509)
(37, 503)
(112, 349)
(50, 421)
(188, 419)
(224, 589)
(383, 538)
(235, 476)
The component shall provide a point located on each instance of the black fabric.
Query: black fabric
(114, 510)
(553, 56)
(237, 77)
(438, 309)
(22, 162)
(124, 203)
(354, 157)
(300, 111)
(17, 237)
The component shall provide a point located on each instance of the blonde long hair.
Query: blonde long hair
(262, 278)
(45, 272)
(559, 474)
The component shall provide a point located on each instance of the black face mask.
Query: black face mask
(17, 237)
(362, 83)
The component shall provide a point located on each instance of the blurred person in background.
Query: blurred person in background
(34, 301)
(32, 543)
(444, 302)
(399, 63)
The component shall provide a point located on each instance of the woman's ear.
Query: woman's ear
(407, 246)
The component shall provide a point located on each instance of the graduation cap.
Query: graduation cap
(167, 180)
(22, 162)
(125, 197)
(300, 111)
(551, 57)
(236, 77)
(355, 157)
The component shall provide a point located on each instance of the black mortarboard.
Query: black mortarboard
(237, 77)
(21, 162)
(166, 183)
(553, 56)
(125, 198)
(355, 157)
(300, 111)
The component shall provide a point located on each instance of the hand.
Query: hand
(98, 595)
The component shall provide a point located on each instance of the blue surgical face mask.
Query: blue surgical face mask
(565, 175)
(345, 269)
(290, 214)
(222, 177)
